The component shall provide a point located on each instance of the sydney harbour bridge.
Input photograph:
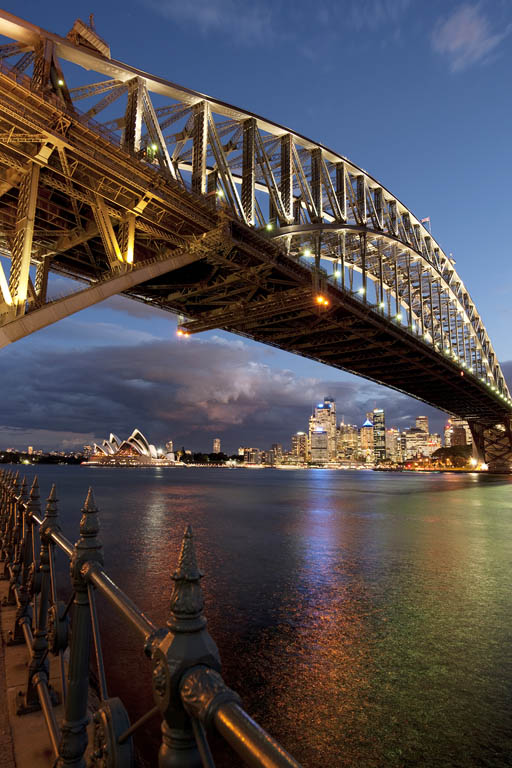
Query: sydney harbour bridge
(131, 184)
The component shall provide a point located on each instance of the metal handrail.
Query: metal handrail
(188, 689)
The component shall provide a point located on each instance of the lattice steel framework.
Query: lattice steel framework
(167, 164)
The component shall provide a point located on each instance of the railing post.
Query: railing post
(7, 546)
(14, 565)
(186, 644)
(39, 667)
(74, 728)
(16, 636)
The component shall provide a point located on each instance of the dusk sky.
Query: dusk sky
(418, 94)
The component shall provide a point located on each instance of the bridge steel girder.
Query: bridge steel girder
(493, 444)
(22, 243)
(365, 241)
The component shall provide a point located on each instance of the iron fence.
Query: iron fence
(189, 692)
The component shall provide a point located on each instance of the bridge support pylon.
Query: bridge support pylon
(493, 444)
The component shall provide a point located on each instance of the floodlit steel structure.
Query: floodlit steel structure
(229, 220)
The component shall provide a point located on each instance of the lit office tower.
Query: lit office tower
(300, 445)
(393, 444)
(366, 436)
(324, 418)
(348, 441)
(379, 434)
(319, 446)
(422, 423)
(216, 445)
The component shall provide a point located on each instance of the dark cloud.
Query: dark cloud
(188, 390)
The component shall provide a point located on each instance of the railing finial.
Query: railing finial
(187, 595)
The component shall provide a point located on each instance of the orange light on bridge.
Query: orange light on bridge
(322, 300)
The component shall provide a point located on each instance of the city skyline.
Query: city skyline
(121, 363)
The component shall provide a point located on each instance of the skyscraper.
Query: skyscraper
(300, 445)
(324, 418)
(422, 423)
(216, 445)
(366, 435)
(319, 446)
(379, 434)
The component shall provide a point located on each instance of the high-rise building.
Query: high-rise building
(216, 445)
(415, 442)
(366, 438)
(324, 418)
(348, 441)
(30, 450)
(300, 445)
(460, 425)
(393, 445)
(422, 423)
(379, 435)
(319, 446)
(169, 446)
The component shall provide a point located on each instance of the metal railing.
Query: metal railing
(188, 690)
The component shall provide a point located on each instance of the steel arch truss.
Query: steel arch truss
(101, 176)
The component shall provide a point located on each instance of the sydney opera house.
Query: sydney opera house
(134, 451)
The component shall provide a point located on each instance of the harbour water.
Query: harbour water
(364, 617)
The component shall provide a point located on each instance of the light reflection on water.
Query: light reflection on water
(364, 617)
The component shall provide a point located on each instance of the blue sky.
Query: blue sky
(415, 93)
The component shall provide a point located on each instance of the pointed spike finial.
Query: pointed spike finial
(89, 523)
(24, 489)
(51, 503)
(187, 596)
(34, 500)
(187, 561)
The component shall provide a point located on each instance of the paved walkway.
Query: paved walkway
(6, 746)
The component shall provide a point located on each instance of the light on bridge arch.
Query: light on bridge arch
(307, 252)
(322, 300)
(382, 305)
(399, 318)
(361, 290)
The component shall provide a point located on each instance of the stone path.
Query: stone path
(6, 746)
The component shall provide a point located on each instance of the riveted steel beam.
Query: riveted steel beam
(199, 147)
(22, 242)
(249, 170)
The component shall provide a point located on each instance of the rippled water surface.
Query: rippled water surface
(364, 617)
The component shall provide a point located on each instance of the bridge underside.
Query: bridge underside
(249, 287)
(179, 221)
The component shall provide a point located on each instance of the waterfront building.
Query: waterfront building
(379, 435)
(319, 442)
(130, 452)
(367, 444)
(252, 456)
(216, 445)
(300, 445)
(169, 446)
(422, 423)
(457, 432)
(347, 442)
(415, 442)
(324, 418)
(393, 445)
